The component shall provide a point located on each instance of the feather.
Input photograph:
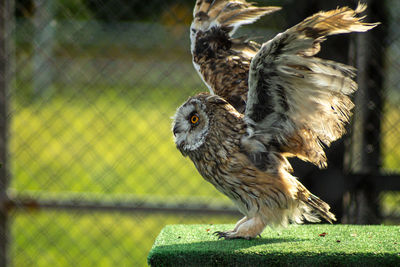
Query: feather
(227, 14)
(311, 92)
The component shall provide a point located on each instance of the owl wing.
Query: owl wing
(226, 14)
(299, 101)
(221, 60)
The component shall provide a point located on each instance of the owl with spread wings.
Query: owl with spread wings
(266, 103)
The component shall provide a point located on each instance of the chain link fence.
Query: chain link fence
(93, 171)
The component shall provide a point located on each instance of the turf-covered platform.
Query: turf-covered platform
(304, 245)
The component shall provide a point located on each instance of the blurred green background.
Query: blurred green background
(94, 88)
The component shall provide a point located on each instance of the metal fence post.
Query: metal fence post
(44, 45)
(6, 16)
(363, 153)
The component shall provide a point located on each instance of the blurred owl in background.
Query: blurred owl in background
(266, 103)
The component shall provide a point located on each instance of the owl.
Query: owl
(295, 104)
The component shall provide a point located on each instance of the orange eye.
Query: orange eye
(194, 119)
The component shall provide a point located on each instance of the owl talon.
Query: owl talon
(220, 234)
(225, 235)
(230, 235)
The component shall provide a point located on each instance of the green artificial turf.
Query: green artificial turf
(305, 245)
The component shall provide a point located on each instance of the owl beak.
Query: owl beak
(175, 130)
(179, 143)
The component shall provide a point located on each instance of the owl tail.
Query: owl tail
(313, 205)
(320, 207)
(227, 14)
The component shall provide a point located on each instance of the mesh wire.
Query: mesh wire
(95, 85)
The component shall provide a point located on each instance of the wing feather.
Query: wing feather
(228, 14)
(300, 101)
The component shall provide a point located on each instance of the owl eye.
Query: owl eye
(194, 119)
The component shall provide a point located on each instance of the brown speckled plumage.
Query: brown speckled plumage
(266, 197)
(225, 70)
(222, 61)
(214, 72)
(267, 103)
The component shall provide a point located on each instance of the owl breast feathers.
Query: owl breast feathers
(267, 103)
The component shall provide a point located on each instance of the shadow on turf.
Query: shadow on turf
(226, 245)
(227, 253)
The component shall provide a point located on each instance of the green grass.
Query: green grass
(101, 144)
(307, 245)
(390, 137)
(58, 238)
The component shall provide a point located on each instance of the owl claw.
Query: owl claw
(220, 234)
(230, 235)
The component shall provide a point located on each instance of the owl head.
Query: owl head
(192, 121)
